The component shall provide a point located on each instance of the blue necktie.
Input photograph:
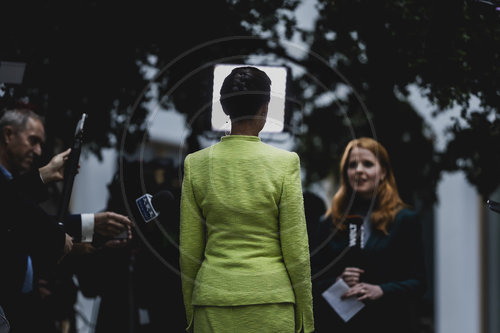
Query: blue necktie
(28, 277)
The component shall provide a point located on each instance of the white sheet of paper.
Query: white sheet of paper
(345, 308)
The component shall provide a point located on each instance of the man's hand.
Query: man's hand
(119, 243)
(116, 243)
(110, 224)
(43, 288)
(54, 170)
(68, 244)
(82, 248)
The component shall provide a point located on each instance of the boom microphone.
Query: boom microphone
(150, 205)
(70, 171)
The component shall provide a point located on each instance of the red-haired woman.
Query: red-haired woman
(380, 258)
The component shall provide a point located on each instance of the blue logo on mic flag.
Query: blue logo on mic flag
(146, 207)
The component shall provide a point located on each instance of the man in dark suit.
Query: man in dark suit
(29, 237)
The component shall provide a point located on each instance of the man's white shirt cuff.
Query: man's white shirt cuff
(87, 227)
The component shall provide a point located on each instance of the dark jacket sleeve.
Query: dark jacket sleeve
(412, 274)
(73, 226)
(30, 185)
(26, 227)
(33, 190)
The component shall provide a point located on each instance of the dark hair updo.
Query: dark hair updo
(244, 91)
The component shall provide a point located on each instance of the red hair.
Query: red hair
(387, 200)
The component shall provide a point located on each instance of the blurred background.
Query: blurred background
(422, 77)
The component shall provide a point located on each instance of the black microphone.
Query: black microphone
(151, 205)
(355, 223)
(493, 205)
(70, 171)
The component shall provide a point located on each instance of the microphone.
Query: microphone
(150, 205)
(355, 222)
(70, 171)
(355, 230)
(493, 205)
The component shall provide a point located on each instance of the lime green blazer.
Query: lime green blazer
(243, 237)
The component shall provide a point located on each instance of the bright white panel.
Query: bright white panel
(276, 112)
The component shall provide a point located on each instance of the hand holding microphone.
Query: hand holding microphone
(54, 170)
(110, 224)
(111, 230)
(352, 275)
(149, 208)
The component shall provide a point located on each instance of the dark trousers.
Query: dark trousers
(26, 314)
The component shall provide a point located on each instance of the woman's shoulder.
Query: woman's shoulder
(264, 147)
(278, 152)
(406, 213)
(407, 218)
(199, 154)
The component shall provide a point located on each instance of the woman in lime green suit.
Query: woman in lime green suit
(244, 253)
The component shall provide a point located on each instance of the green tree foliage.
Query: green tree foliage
(475, 150)
(87, 57)
(450, 50)
(364, 54)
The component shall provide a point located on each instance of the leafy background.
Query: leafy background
(361, 59)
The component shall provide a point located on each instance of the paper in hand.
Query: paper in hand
(345, 308)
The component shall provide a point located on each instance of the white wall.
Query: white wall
(457, 257)
(90, 192)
